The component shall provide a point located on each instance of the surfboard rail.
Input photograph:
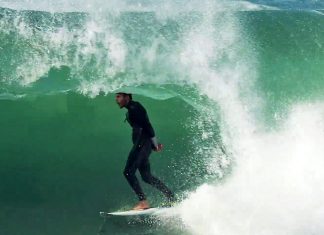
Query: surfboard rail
(150, 211)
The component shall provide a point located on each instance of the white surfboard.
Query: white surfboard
(150, 211)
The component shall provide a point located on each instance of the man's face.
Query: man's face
(122, 100)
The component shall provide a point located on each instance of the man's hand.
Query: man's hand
(158, 148)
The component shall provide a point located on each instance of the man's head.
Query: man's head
(122, 99)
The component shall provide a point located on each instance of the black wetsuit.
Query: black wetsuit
(138, 157)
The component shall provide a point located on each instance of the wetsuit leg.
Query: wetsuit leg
(135, 157)
(145, 171)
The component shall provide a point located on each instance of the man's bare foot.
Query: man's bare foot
(142, 205)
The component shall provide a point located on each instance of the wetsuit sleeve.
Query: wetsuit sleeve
(147, 127)
(144, 121)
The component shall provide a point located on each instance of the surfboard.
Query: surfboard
(150, 211)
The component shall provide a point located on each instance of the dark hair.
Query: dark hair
(128, 94)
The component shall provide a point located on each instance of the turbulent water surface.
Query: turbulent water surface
(234, 90)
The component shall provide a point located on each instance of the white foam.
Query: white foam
(276, 187)
(44, 49)
(52, 48)
(165, 7)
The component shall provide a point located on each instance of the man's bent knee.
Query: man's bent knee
(147, 178)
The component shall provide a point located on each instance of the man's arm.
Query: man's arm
(145, 123)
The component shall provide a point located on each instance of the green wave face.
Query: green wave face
(203, 74)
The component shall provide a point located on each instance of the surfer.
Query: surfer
(144, 140)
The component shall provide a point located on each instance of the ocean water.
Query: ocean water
(234, 90)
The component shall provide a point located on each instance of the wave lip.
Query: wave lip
(126, 6)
